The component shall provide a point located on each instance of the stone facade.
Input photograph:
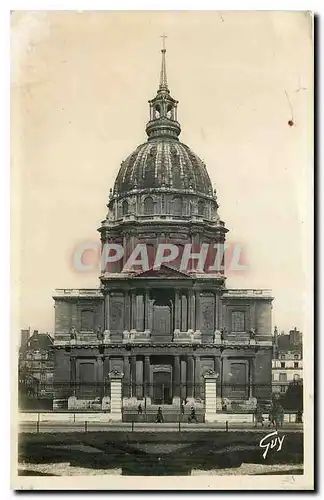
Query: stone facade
(165, 327)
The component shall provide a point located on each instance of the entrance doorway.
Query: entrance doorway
(162, 388)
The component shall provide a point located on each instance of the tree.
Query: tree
(293, 398)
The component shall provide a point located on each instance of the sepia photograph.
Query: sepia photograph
(162, 332)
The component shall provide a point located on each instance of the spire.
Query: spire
(163, 75)
(163, 108)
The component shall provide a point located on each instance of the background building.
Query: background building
(36, 367)
(163, 328)
(287, 363)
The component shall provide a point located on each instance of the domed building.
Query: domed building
(162, 315)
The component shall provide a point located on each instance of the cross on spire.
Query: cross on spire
(163, 42)
(163, 75)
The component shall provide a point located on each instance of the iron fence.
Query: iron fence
(232, 397)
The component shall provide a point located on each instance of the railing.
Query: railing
(249, 292)
(77, 292)
(88, 338)
(164, 217)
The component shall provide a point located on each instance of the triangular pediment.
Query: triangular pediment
(163, 272)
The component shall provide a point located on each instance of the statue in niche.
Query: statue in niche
(223, 332)
(252, 333)
(73, 333)
(100, 333)
(106, 336)
(217, 335)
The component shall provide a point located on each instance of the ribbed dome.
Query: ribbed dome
(163, 163)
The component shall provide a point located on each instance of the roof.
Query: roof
(163, 163)
(40, 341)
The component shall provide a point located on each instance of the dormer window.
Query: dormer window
(201, 208)
(177, 206)
(125, 207)
(148, 206)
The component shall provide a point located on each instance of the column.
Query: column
(198, 311)
(99, 388)
(176, 379)
(126, 311)
(216, 313)
(116, 395)
(251, 377)
(105, 377)
(107, 311)
(198, 381)
(252, 318)
(221, 376)
(126, 380)
(191, 310)
(133, 310)
(73, 375)
(190, 376)
(72, 400)
(146, 309)
(210, 397)
(177, 307)
(133, 375)
(125, 256)
(147, 377)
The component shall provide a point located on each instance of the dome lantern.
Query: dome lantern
(163, 108)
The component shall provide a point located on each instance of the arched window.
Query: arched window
(238, 321)
(201, 208)
(87, 320)
(148, 206)
(170, 111)
(125, 207)
(177, 206)
(162, 204)
(157, 111)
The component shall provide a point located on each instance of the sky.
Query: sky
(80, 82)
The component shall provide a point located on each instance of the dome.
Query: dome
(163, 163)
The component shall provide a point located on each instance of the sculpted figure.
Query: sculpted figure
(99, 332)
(73, 333)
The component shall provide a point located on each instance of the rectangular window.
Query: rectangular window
(283, 388)
(282, 356)
(296, 364)
(282, 365)
(282, 377)
(296, 356)
(238, 321)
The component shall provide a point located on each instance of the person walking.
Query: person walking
(280, 415)
(192, 417)
(272, 417)
(159, 416)
(139, 409)
(182, 408)
(258, 416)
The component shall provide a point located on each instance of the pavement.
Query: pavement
(45, 427)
